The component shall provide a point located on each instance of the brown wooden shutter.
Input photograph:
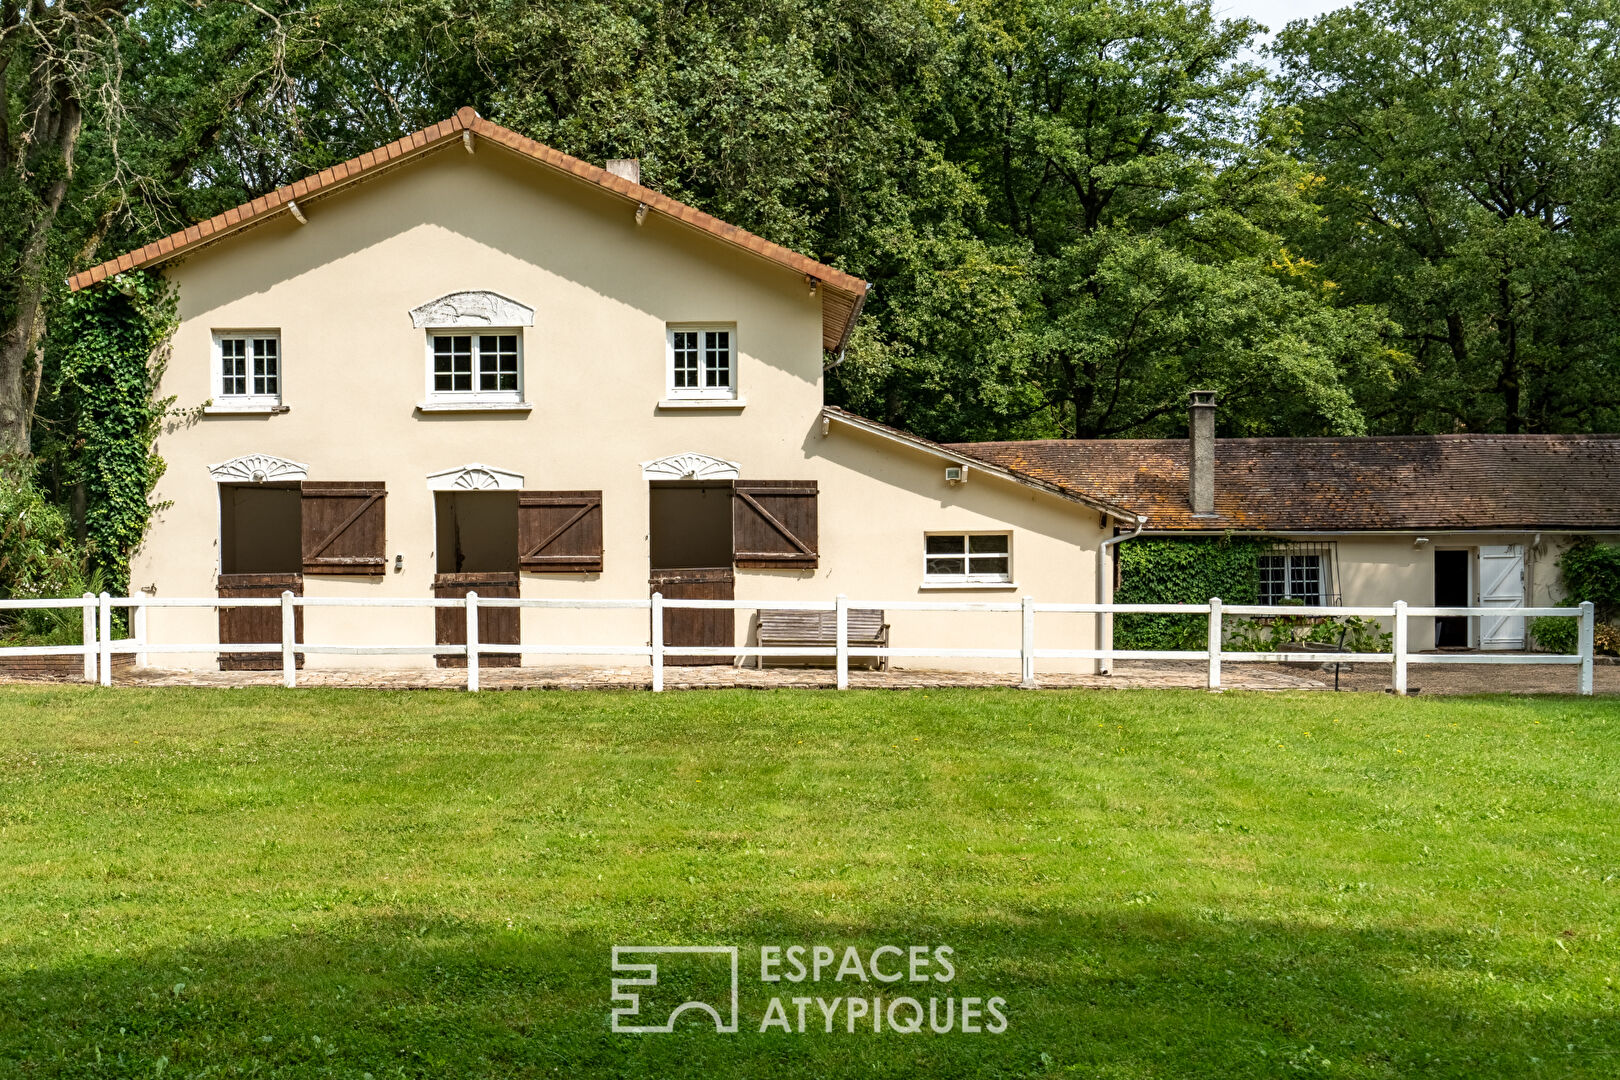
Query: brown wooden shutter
(560, 532)
(343, 529)
(773, 523)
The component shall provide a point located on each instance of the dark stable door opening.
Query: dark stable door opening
(690, 551)
(259, 556)
(476, 545)
(1451, 590)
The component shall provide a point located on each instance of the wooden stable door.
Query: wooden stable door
(697, 626)
(256, 625)
(496, 626)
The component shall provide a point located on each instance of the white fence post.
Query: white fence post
(106, 639)
(1214, 643)
(1587, 646)
(289, 624)
(658, 642)
(472, 640)
(137, 622)
(1026, 646)
(89, 637)
(1399, 675)
(841, 626)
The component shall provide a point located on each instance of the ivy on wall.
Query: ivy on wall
(106, 353)
(1589, 571)
(1174, 571)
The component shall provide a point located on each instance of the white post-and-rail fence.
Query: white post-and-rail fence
(99, 646)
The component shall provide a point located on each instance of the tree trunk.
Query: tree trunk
(40, 161)
(1507, 379)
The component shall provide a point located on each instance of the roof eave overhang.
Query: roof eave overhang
(883, 431)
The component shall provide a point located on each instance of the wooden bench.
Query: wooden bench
(809, 629)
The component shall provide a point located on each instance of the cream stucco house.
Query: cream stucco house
(468, 361)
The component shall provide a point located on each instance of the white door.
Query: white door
(1501, 585)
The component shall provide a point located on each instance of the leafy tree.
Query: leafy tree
(1468, 179)
(1129, 172)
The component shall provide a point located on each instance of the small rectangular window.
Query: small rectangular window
(247, 368)
(967, 557)
(702, 362)
(1297, 574)
(476, 367)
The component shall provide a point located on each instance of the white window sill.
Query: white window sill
(939, 586)
(473, 406)
(245, 409)
(703, 403)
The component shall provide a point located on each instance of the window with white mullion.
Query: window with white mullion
(482, 367)
(702, 362)
(970, 558)
(1291, 579)
(247, 368)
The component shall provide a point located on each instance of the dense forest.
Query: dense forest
(1399, 217)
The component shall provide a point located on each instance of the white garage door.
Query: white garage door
(1501, 585)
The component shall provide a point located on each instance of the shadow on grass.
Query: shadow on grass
(1118, 994)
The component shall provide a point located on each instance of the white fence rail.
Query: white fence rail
(99, 646)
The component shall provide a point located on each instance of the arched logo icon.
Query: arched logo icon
(698, 977)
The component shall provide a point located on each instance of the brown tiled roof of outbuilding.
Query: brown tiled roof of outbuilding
(1516, 482)
(841, 293)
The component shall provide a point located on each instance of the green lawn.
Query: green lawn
(1159, 884)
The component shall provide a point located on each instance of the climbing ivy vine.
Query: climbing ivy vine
(1172, 571)
(106, 354)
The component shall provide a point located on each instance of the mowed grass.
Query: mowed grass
(1159, 884)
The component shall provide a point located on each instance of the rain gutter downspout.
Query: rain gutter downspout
(1105, 593)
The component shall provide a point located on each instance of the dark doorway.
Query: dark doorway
(260, 555)
(476, 545)
(689, 541)
(1451, 589)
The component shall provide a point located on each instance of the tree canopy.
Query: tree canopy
(1072, 211)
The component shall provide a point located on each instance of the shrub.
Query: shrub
(1359, 635)
(38, 558)
(1555, 634)
(1591, 571)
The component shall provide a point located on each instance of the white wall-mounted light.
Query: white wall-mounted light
(1420, 541)
(399, 563)
(956, 474)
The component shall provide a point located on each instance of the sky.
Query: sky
(1275, 13)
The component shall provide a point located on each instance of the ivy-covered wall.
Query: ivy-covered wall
(98, 418)
(1172, 571)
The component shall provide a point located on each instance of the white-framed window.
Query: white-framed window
(701, 361)
(482, 366)
(969, 558)
(247, 368)
(1301, 575)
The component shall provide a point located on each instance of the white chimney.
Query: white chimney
(629, 168)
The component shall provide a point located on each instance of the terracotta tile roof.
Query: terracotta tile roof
(1516, 482)
(842, 294)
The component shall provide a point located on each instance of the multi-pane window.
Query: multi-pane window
(249, 367)
(702, 362)
(967, 557)
(1291, 578)
(476, 364)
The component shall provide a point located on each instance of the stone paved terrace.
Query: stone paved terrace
(1433, 679)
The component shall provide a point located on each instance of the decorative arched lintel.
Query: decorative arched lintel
(476, 307)
(689, 466)
(258, 469)
(475, 477)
